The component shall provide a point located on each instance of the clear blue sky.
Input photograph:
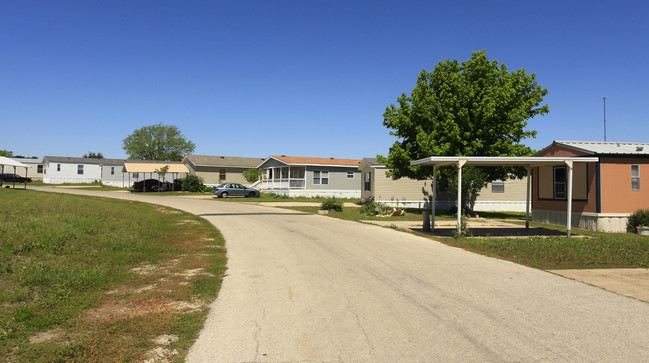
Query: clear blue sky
(303, 78)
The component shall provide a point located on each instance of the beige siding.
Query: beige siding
(404, 189)
(515, 190)
(211, 175)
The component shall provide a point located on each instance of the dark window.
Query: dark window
(39, 169)
(635, 178)
(222, 174)
(112, 170)
(58, 167)
(80, 169)
(368, 181)
(560, 182)
(350, 175)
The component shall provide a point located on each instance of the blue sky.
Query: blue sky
(303, 78)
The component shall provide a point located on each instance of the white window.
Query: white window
(136, 175)
(635, 178)
(320, 177)
(80, 169)
(497, 186)
(350, 175)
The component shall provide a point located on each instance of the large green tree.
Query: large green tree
(473, 108)
(157, 142)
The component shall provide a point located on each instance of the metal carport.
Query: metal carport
(527, 162)
(151, 168)
(16, 164)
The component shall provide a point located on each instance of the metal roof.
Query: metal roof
(152, 167)
(11, 162)
(607, 147)
(529, 161)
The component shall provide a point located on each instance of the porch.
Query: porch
(283, 178)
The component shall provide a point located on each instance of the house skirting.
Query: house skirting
(602, 222)
(69, 180)
(313, 193)
(480, 206)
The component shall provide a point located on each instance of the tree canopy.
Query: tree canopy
(93, 155)
(7, 153)
(157, 142)
(473, 108)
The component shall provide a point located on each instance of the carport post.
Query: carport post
(569, 201)
(433, 200)
(527, 198)
(460, 164)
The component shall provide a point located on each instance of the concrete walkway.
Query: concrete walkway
(304, 287)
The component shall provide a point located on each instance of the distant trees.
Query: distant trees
(93, 155)
(7, 153)
(157, 142)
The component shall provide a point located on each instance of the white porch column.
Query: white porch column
(527, 199)
(460, 164)
(433, 200)
(289, 178)
(569, 201)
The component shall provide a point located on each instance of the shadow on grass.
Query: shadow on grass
(496, 232)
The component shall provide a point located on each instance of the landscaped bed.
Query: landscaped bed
(93, 279)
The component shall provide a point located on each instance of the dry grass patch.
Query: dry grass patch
(90, 279)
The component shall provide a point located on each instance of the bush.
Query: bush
(369, 209)
(637, 219)
(193, 183)
(332, 204)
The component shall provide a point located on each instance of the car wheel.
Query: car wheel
(224, 195)
(251, 195)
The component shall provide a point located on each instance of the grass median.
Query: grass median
(93, 279)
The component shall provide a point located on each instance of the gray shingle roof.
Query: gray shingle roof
(372, 162)
(608, 148)
(69, 159)
(232, 161)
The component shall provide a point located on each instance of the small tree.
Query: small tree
(7, 153)
(162, 171)
(473, 108)
(251, 175)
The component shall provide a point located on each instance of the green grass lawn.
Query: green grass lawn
(592, 250)
(94, 279)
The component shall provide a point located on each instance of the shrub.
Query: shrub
(332, 204)
(637, 219)
(369, 209)
(192, 183)
(373, 208)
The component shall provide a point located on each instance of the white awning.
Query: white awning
(152, 167)
(10, 162)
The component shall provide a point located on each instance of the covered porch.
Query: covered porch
(284, 178)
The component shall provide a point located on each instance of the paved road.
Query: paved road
(312, 288)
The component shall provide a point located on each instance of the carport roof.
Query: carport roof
(529, 161)
(11, 162)
(152, 167)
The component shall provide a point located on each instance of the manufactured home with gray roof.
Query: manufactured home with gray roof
(220, 169)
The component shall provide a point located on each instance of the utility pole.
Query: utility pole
(604, 99)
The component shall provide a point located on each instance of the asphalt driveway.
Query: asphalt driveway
(304, 287)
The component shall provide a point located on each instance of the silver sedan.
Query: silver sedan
(234, 189)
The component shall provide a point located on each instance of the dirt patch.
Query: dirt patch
(46, 336)
(159, 355)
(632, 282)
(165, 339)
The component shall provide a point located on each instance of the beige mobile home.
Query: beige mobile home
(220, 169)
(498, 195)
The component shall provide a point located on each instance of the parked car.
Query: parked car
(233, 189)
(152, 185)
(10, 178)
